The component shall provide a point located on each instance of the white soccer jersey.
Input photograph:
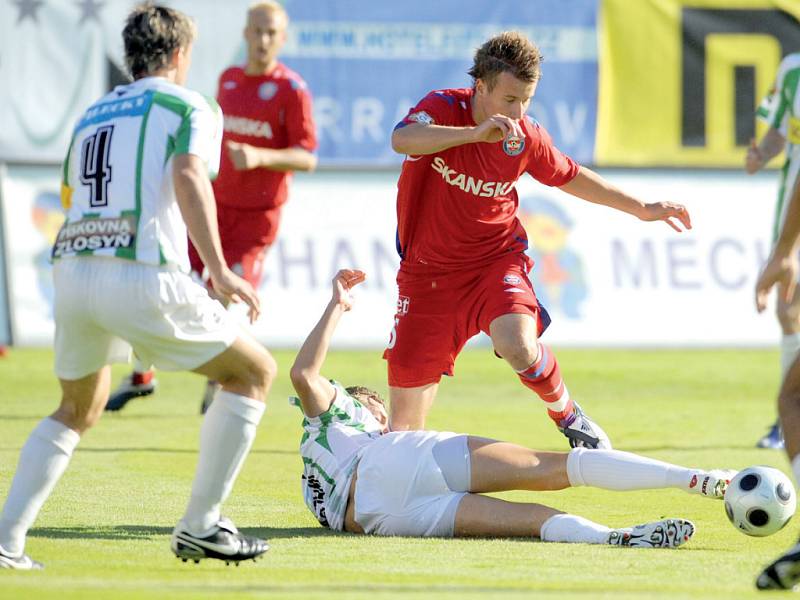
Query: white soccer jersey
(331, 447)
(117, 183)
(781, 110)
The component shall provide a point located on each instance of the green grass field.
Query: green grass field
(105, 531)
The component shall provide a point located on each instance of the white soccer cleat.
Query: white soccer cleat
(582, 432)
(667, 533)
(21, 563)
(711, 484)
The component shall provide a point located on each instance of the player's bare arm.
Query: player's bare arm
(246, 157)
(758, 155)
(418, 138)
(196, 200)
(315, 392)
(591, 187)
(782, 267)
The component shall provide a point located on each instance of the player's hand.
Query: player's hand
(754, 160)
(781, 270)
(498, 127)
(233, 288)
(346, 280)
(243, 156)
(667, 211)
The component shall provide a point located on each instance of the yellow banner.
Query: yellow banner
(680, 79)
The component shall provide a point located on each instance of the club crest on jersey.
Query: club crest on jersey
(513, 145)
(512, 280)
(267, 90)
(421, 117)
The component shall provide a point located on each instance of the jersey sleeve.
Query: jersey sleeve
(546, 163)
(433, 109)
(200, 133)
(774, 108)
(299, 117)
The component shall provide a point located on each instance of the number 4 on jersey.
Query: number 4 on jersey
(94, 168)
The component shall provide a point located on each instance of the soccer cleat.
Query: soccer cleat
(22, 562)
(667, 533)
(128, 390)
(223, 542)
(773, 439)
(212, 387)
(711, 484)
(784, 573)
(582, 432)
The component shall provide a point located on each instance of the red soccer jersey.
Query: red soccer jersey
(268, 111)
(457, 208)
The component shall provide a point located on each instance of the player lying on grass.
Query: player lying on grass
(363, 478)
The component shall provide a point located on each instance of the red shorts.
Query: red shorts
(246, 236)
(437, 314)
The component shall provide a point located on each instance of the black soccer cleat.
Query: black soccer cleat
(784, 573)
(224, 542)
(21, 563)
(583, 432)
(127, 391)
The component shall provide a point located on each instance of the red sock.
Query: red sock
(544, 378)
(142, 378)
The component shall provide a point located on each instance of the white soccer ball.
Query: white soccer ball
(760, 500)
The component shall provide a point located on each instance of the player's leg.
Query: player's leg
(784, 572)
(410, 406)
(43, 460)
(788, 314)
(482, 465)
(515, 338)
(484, 516)
(245, 371)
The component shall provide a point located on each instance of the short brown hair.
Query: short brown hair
(509, 52)
(360, 390)
(152, 34)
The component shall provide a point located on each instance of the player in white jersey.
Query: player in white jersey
(782, 269)
(359, 476)
(135, 178)
(780, 110)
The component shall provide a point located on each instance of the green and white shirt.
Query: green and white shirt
(331, 447)
(781, 110)
(117, 186)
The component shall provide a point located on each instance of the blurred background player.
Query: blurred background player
(782, 269)
(269, 132)
(121, 280)
(464, 268)
(360, 477)
(775, 111)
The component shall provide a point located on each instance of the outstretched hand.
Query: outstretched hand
(667, 211)
(230, 287)
(346, 280)
(781, 270)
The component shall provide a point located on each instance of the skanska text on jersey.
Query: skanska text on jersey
(470, 185)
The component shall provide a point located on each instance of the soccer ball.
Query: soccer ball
(760, 500)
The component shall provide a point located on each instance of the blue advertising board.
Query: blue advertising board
(367, 63)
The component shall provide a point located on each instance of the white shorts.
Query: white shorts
(103, 306)
(400, 489)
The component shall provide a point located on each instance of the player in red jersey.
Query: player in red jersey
(464, 267)
(269, 133)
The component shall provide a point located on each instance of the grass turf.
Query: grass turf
(104, 533)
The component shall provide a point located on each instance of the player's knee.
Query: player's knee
(78, 417)
(518, 351)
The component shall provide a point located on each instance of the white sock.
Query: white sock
(621, 471)
(573, 530)
(139, 366)
(796, 469)
(228, 431)
(42, 461)
(790, 348)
